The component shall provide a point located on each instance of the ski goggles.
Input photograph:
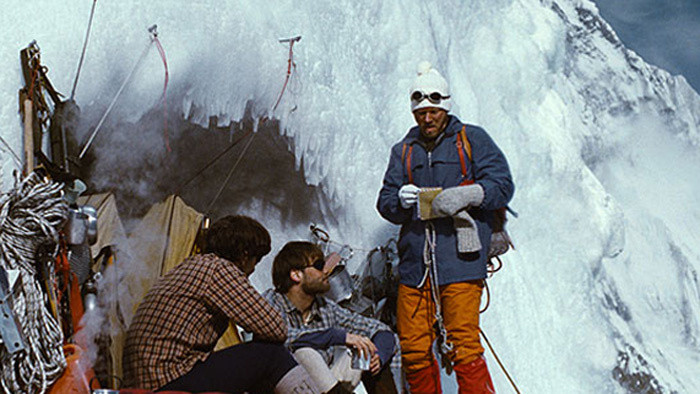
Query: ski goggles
(434, 97)
(319, 264)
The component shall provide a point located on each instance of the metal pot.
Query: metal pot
(91, 220)
(81, 226)
(341, 284)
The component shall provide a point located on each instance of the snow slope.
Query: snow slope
(603, 149)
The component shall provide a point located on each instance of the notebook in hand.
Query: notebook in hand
(425, 202)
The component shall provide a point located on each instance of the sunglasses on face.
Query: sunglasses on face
(434, 97)
(318, 264)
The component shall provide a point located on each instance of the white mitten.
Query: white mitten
(408, 194)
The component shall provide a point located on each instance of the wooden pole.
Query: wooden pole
(28, 137)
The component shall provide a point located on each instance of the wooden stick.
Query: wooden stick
(28, 137)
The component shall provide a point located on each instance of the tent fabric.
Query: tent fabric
(163, 239)
(110, 230)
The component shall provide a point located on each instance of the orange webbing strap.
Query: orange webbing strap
(70, 293)
(77, 309)
(467, 145)
(408, 164)
(406, 160)
(463, 142)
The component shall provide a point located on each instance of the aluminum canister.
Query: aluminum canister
(341, 284)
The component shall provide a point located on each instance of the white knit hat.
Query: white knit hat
(430, 81)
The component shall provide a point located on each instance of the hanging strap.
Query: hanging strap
(463, 146)
(406, 155)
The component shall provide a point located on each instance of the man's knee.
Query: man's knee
(309, 356)
(317, 368)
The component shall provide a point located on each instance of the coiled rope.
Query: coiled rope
(430, 260)
(30, 215)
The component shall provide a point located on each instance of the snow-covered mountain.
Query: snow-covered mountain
(602, 293)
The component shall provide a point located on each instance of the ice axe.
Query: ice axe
(290, 63)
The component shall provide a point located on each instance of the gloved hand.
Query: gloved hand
(500, 243)
(408, 194)
(454, 199)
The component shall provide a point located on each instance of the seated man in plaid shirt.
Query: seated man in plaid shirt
(317, 325)
(170, 342)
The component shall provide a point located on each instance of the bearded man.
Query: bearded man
(317, 326)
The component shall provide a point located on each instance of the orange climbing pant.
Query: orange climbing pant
(416, 320)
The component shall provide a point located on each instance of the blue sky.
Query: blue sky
(665, 33)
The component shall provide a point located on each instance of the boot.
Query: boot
(425, 381)
(474, 378)
(296, 381)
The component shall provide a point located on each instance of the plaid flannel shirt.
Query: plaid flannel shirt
(185, 313)
(326, 314)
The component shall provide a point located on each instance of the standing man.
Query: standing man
(443, 256)
(317, 325)
(170, 342)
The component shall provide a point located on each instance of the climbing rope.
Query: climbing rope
(212, 161)
(161, 51)
(430, 260)
(119, 92)
(498, 360)
(31, 215)
(228, 176)
(16, 158)
(82, 54)
(290, 64)
(488, 302)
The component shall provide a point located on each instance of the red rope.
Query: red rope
(165, 88)
(290, 63)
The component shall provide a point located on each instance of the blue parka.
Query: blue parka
(442, 168)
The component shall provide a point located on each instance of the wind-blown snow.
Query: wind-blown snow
(603, 148)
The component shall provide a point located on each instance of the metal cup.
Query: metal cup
(360, 360)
